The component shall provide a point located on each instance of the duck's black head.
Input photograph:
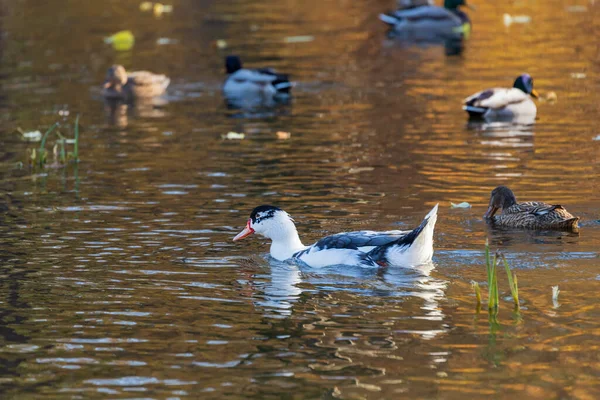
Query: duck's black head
(232, 64)
(262, 213)
(525, 83)
(454, 4)
(502, 197)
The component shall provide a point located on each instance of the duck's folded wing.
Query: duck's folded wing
(359, 240)
(253, 75)
(425, 13)
(532, 207)
(496, 98)
(145, 78)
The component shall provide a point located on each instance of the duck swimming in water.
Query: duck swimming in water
(123, 86)
(528, 215)
(364, 248)
(503, 104)
(254, 88)
(430, 21)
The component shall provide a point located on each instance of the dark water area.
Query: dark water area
(118, 276)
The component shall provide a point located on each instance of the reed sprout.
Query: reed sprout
(39, 157)
(491, 266)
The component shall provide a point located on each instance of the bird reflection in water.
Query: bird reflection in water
(287, 284)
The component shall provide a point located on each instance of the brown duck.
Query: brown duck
(528, 215)
(139, 84)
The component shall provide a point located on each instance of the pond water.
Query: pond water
(119, 278)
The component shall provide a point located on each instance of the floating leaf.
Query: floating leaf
(555, 292)
(146, 6)
(121, 41)
(299, 39)
(464, 204)
(32, 136)
(160, 9)
(515, 19)
(233, 136)
(163, 41)
(283, 135)
(360, 169)
(220, 44)
(576, 9)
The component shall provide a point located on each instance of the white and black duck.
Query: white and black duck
(364, 248)
(504, 103)
(254, 88)
(127, 87)
(430, 21)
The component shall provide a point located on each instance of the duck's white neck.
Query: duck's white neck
(285, 241)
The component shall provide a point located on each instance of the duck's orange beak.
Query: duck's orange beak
(534, 94)
(490, 212)
(246, 232)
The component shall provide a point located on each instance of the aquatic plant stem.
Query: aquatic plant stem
(76, 145)
(512, 282)
(42, 149)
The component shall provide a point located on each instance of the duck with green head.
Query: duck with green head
(528, 215)
(447, 21)
(504, 103)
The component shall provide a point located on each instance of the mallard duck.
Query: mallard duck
(447, 21)
(528, 215)
(254, 88)
(501, 103)
(120, 85)
(407, 4)
(364, 248)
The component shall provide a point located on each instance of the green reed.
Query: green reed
(491, 267)
(39, 157)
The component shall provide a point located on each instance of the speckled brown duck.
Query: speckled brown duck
(119, 85)
(528, 215)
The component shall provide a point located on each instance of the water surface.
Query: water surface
(119, 278)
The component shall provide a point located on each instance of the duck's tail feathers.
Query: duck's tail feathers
(475, 112)
(571, 224)
(282, 84)
(415, 248)
(388, 19)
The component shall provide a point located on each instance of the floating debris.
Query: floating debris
(515, 19)
(220, 44)
(578, 75)
(121, 41)
(164, 41)
(360, 169)
(160, 9)
(464, 204)
(32, 136)
(596, 138)
(576, 9)
(283, 135)
(550, 97)
(146, 6)
(233, 136)
(555, 292)
(299, 39)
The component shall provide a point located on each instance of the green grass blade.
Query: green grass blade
(512, 282)
(45, 137)
(76, 146)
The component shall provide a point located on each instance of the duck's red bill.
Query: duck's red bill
(246, 232)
